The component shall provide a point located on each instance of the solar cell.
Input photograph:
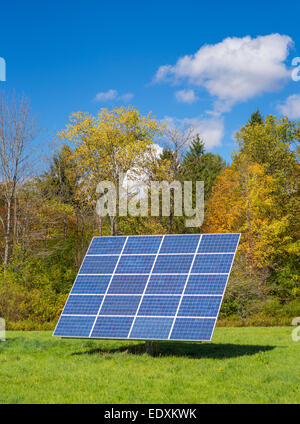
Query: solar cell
(98, 264)
(173, 264)
(166, 284)
(106, 245)
(82, 305)
(180, 243)
(149, 287)
(119, 305)
(193, 329)
(215, 243)
(199, 306)
(142, 244)
(112, 327)
(151, 328)
(212, 263)
(206, 284)
(128, 284)
(134, 264)
(159, 305)
(90, 284)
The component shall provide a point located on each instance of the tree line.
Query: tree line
(47, 218)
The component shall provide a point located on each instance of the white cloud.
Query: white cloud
(291, 107)
(113, 94)
(186, 96)
(235, 69)
(211, 130)
(126, 97)
(107, 95)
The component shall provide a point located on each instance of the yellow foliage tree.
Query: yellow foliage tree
(110, 145)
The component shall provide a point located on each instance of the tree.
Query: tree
(256, 118)
(109, 145)
(200, 166)
(17, 131)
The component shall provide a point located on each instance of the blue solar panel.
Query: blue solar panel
(112, 327)
(151, 328)
(82, 305)
(74, 326)
(120, 305)
(159, 305)
(199, 306)
(106, 245)
(173, 264)
(212, 263)
(143, 244)
(91, 284)
(98, 264)
(186, 243)
(215, 243)
(150, 287)
(166, 284)
(135, 264)
(193, 329)
(128, 284)
(206, 284)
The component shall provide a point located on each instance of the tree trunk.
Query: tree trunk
(113, 226)
(100, 226)
(65, 225)
(7, 235)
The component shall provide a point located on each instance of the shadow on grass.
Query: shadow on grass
(184, 349)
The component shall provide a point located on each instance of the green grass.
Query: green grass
(241, 365)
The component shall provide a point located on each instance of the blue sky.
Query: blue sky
(65, 55)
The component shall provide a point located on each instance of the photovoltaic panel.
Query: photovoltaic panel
(166, 284)
(151, 328)
(82, 305)
(111, 327)
(128, 284)
(168, 264)
(215, 243)
(120, 305)
(149, 287)
(159, 305)
(135, 264)
(142, 244)
(180, 243)
(91, 284)
(99, 264)
(212, 263)
(206, 284)
(106, 246)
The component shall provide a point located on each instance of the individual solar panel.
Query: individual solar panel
(142, 244)
(135, 264)
(180, 243)
(128, 284)
(106, 246)
(91, 284)
(159, 305)
(150, 287)
(166, 284)
(82, 305)
(168, 264)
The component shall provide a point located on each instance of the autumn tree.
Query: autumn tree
(198, 165)
(109, 145)
(17, 131)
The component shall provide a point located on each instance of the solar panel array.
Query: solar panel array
(165, 287)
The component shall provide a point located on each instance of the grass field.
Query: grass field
(240, 365)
